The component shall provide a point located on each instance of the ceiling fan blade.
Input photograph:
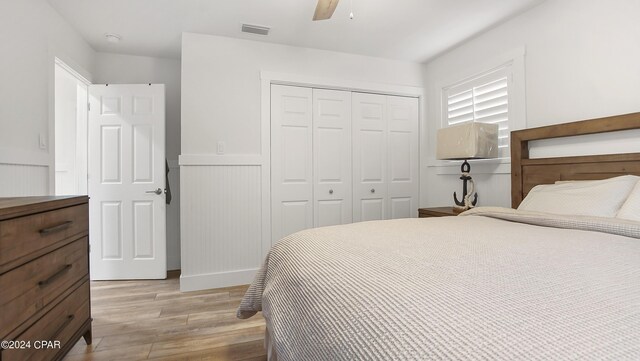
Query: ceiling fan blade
(325, 9)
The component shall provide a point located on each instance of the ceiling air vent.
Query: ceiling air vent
(255, 29)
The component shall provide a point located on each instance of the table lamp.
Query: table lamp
(463, 142)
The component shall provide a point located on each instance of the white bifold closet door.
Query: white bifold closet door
(369, 157)
(291, 160)
(385, 157)
(331, 157)
(310, 159)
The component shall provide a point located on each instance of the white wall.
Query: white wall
(221, 85)
(581, 62)
(222, 195)
(31, 35)
(129, 69)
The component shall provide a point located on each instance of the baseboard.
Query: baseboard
(216, 280)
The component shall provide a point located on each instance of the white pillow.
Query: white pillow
(574, 181)
(601, 198)
(631, 208)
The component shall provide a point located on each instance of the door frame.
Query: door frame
(269, 78)
(57, 57)
(84, 152)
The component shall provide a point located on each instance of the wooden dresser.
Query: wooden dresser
(44, 276)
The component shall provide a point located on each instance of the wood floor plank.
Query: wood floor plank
(138, 320)
(81, 347)
(119, 299)
(248, 351)
(123, 328)
(205, 342)
(135, 352)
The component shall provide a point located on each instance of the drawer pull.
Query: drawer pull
(55, 275)
(62, 327)
(57, 228)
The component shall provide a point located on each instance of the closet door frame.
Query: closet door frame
(268, 78)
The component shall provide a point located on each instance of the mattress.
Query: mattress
(492, 284)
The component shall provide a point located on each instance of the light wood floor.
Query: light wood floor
(140, 320)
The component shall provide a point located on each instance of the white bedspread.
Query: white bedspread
(493, 284)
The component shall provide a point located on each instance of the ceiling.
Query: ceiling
(411, 30)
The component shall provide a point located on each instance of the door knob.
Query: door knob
(373, 190)
(330, 191)
(157, 191)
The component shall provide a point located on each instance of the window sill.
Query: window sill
(488, 166)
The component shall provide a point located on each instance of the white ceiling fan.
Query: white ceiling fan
(325, 9)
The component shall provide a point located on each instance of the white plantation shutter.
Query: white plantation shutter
(483, 99)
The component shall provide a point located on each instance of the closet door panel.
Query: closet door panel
(291, 160)
(369, 157)
(332, 157)
(402, 152)
(401, 207)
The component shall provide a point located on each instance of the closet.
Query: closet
(385, 157)
(339, 157)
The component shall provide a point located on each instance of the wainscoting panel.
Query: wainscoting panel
(221, 224)
(18, 180)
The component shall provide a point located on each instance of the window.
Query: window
(484, 98)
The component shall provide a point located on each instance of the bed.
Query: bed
(490, 284)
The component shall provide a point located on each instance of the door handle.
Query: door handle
(373, 190)
(330, 191)
(157, 191)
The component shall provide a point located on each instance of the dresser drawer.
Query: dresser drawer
(24, 235)
(30, 287)
(59, 324)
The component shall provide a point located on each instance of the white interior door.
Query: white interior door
(291, 160)
(403, 185)
(127, 181)
(331, 157)
(369, 157)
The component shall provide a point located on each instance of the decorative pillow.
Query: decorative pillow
(602, 198)
(631, 208)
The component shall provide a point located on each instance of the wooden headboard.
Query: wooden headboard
(526, 173)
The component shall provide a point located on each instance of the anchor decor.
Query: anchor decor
(463, 142)
(466, 201)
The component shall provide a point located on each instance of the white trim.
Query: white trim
(22, 157)
(341, 84)
(72, 71)
(57, 56)
(515, 55)
(436, 163)
(216, 280)
(483, 167)
(211, 159)
(265, 134)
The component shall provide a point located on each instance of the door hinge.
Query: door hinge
(89, 107)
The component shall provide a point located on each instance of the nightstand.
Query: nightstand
(436, 212)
